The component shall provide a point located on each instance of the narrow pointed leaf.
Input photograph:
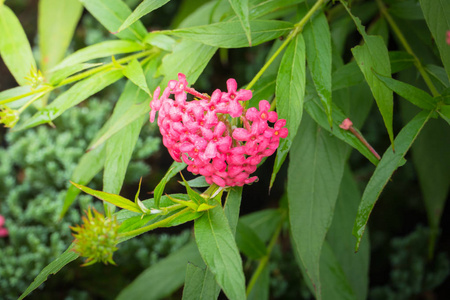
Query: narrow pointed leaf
(145, 7)
(188, 57)
(290, 93)
(56, 24)
(218, 249)
(58, 75)
(315, 170)
(318, 54)
(249, 243)
(233, 206)
(114, 199)
(166, 276)
(240, 7)
(231, 34)
(416, 96)
(132, 114)
(112, 14)
(373, 55)
(76, 94)
(135, 73)
(432, 162)
(88, 166)
(15, 49)
(339, 238)
(193, 195)
(388, 164)
(103, 49)
(438, 21)
(444, 112)
(56, 265)
(199, 284)
(159, 189)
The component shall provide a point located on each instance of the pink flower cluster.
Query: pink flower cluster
(3, 230)
(204, 132)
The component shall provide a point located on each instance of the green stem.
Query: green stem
(80, 76)
(263, 262)
(130, 234)
(407, 47)
(44, 89)
(102, 68)
(20, 110)
(296, 30)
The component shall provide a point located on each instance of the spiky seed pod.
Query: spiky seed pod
(96, 238)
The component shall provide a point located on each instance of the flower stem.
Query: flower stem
(297, 29)
(407, 47)
(263, 262)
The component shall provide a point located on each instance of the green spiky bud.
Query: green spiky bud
(96, 238)
(8, 116)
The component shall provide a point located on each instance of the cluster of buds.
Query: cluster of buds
(204, 132)
(96, 239)
(3, 231)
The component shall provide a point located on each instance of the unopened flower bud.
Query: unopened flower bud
(96, 239)
(8, 116)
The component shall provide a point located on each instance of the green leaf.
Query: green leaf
(145, 7)
(240, 7)
(199, 284)
(76, 94)
(193, 195)
(334, 282)
(232, 206)
(112, 14)
(159, 189)
(132, 114)
(438, 20)
(341, 241)
(103, 49)
(57, 21)
(119, 149)
(438, 73)
(163, 278)
(265, 7)
(373, 55)
(14, 92)
(188, 57)
(216, 244)
(263, 222)
(231, 34)
(408, 10)
(432, 162)
(15, 49)
(316, 111)
(444, 112)
(249, 243)
(135, 73)
(88, 166)
(400, 60)
(318, 54)
(314, 174)
(346, 76)
(160, 40)
(56, 265)
(197, 182)
(416, 96)
(114, 199)
(388, 164)
(290, 93)
(58, 75)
